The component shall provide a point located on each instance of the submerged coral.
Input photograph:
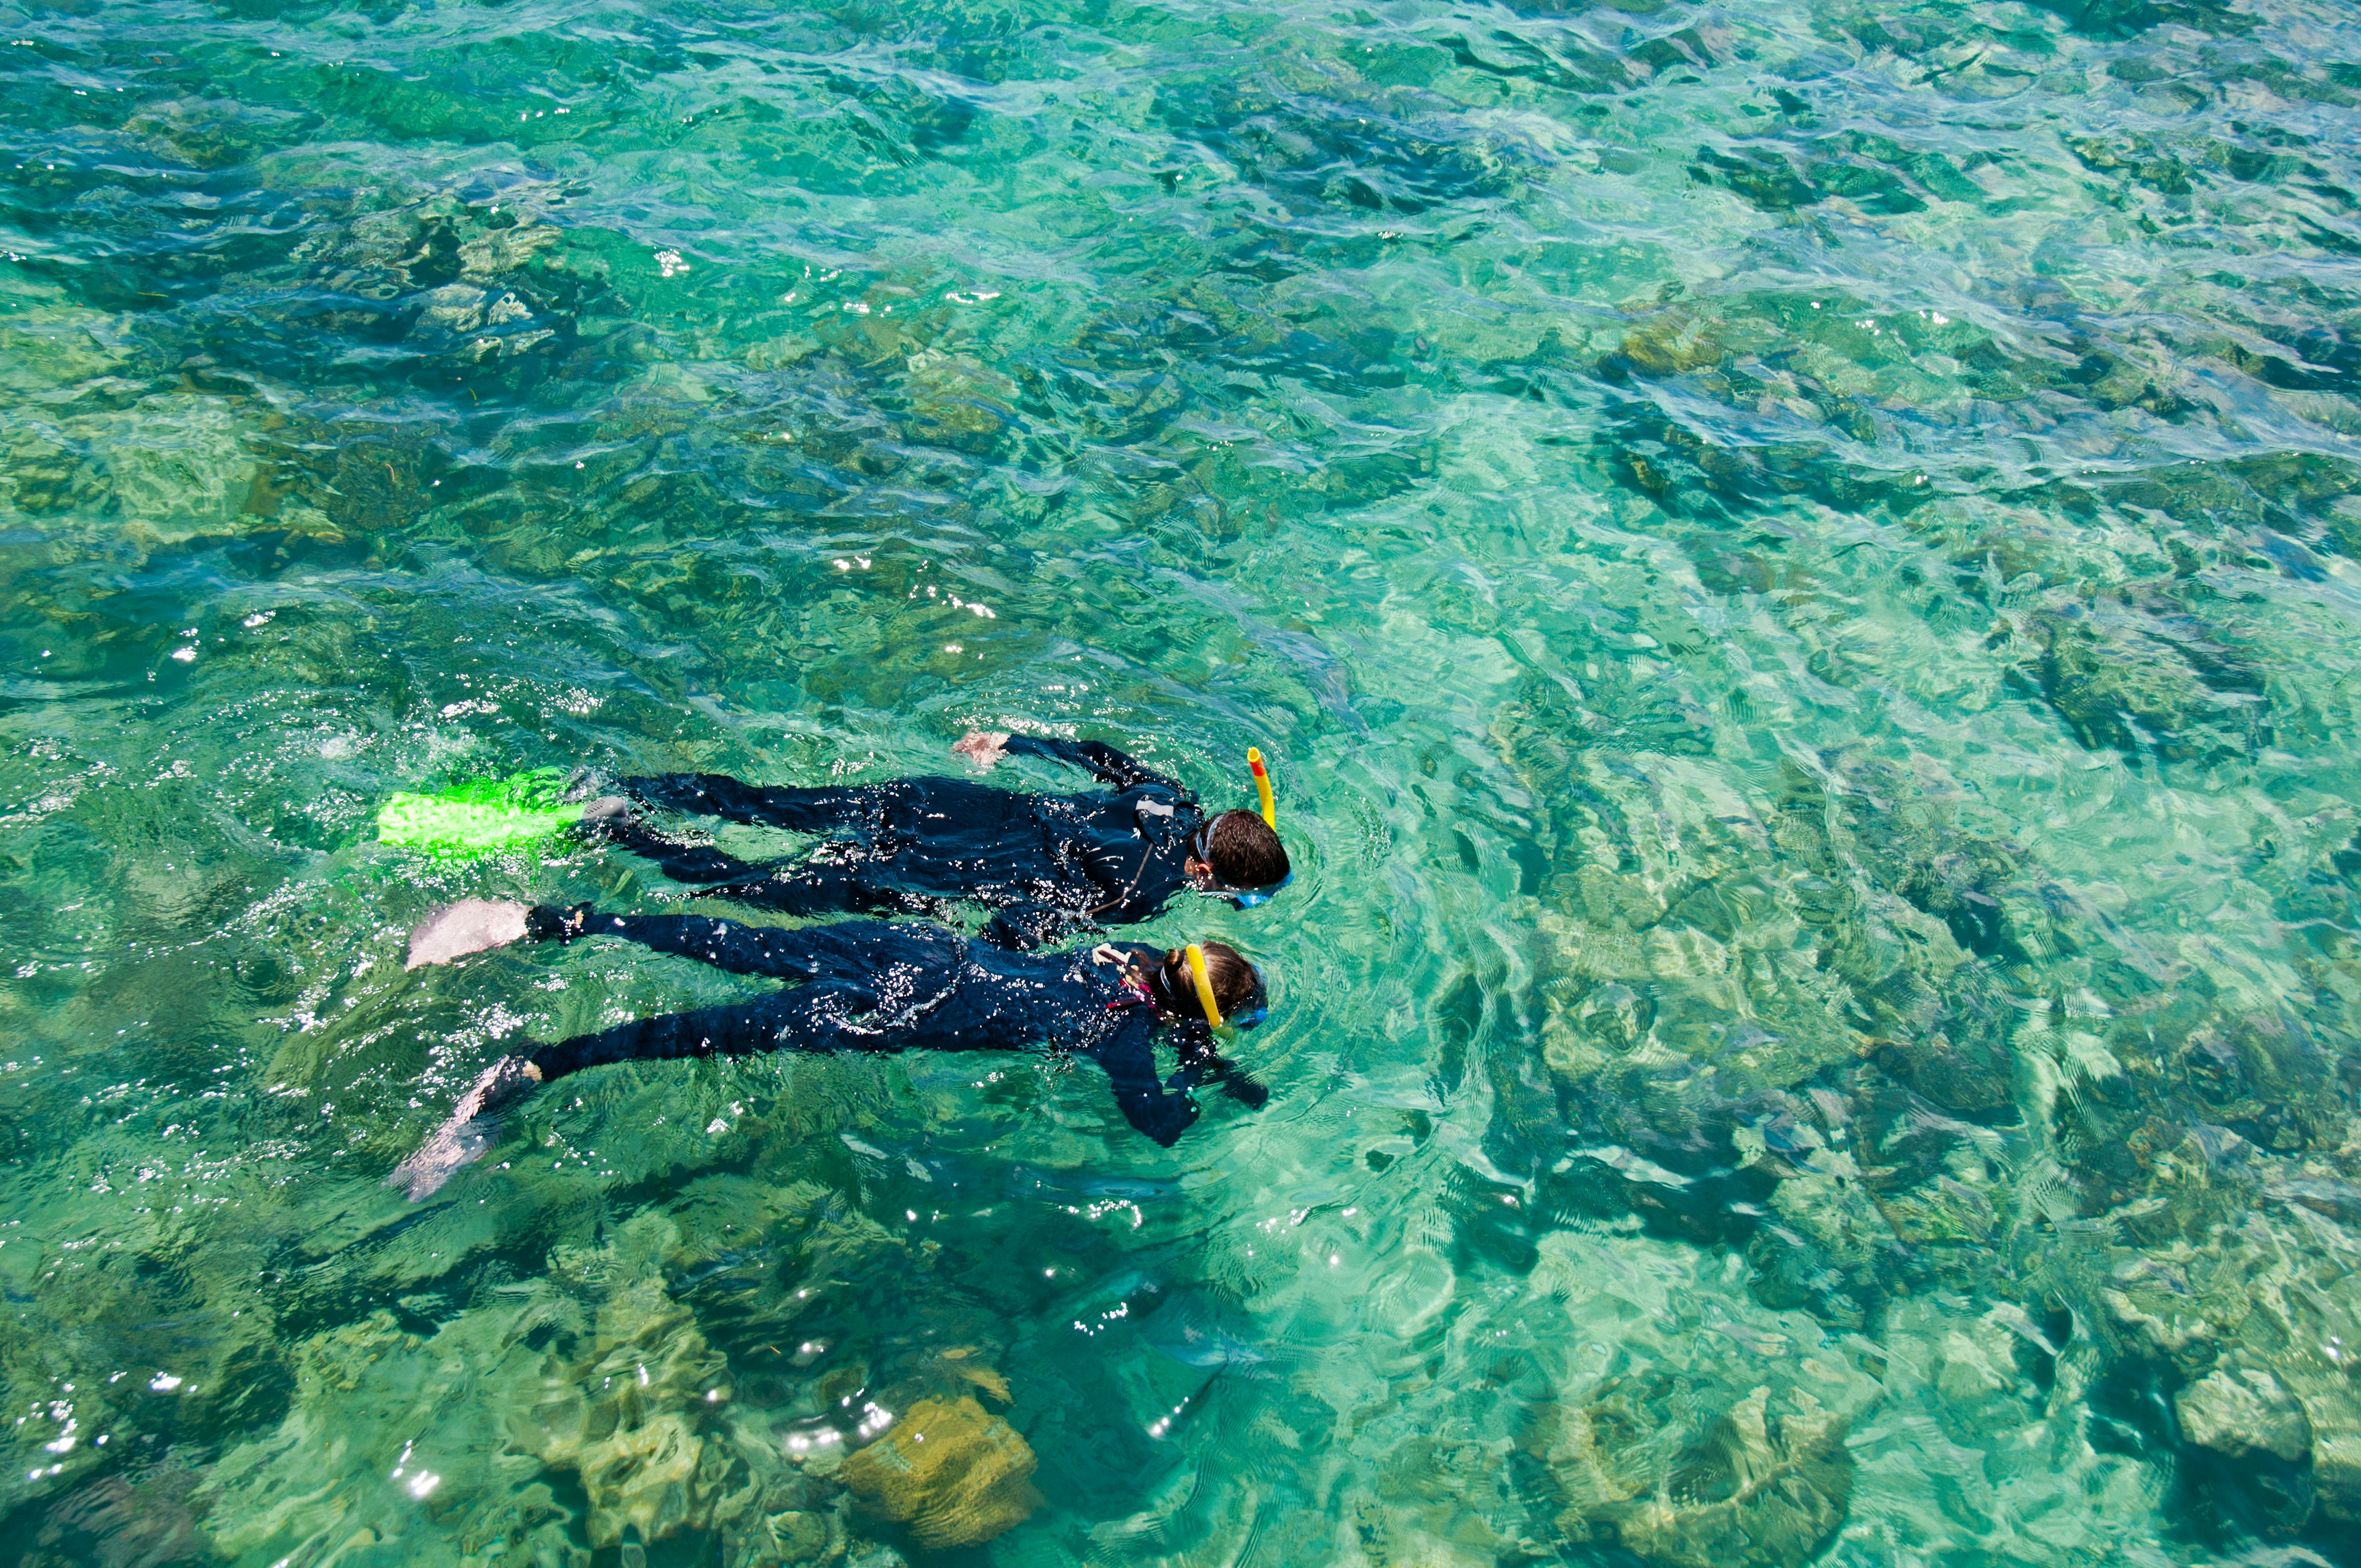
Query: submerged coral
(951, 1473)
(1758, 1487)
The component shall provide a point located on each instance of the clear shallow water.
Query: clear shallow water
(1796, 569)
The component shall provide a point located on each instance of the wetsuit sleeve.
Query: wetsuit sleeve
(1103, 762)
(1199, 1054)
(1162, 1111)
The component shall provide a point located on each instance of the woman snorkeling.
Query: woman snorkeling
(868, 986)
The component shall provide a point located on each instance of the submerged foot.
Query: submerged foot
(606, 809)
(470, 925)
(467, 1133)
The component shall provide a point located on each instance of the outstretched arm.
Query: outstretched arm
(1163, 1111)
(1200, 1054)
(1102, 762)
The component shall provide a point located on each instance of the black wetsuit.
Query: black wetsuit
(1049, 864)
(905, 986)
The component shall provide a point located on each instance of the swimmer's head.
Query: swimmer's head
(1237, 852)
(1237, 987)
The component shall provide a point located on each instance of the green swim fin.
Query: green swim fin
(479, 818)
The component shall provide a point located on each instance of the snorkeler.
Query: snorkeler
(1048, 864)
(871, 987)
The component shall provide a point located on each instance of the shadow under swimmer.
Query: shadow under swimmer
(870, 986)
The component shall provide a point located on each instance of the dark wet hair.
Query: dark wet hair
(1245, 852)
(1237, 986)
(1239, 993)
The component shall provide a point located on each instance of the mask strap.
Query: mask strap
(1204, 985)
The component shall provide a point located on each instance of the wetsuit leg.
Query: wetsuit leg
(891, 812)
(848, 951)
(810, 889)
(818, 1018)
(790, 807)
(917, 844)
(686, 863)
(785, 887)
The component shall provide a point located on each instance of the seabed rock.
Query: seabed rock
(2256, 1314)
(2336, 1476)
(2117, 684)
(2238, 1415)
(951, 1473)
(643, 1479)
(1711, 1438)
(644, 1422)
(1766, 1484)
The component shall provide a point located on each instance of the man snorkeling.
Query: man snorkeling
(871, 986)
(1048, 864)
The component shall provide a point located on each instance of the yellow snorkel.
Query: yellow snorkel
(1204, 983)
(1262, 788)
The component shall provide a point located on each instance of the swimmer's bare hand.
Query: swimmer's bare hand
(981, 747)
(1108, 953)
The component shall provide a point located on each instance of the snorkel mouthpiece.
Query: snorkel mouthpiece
(1204, 985)
(1262, 788)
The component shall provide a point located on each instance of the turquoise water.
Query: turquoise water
(1796, 568)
